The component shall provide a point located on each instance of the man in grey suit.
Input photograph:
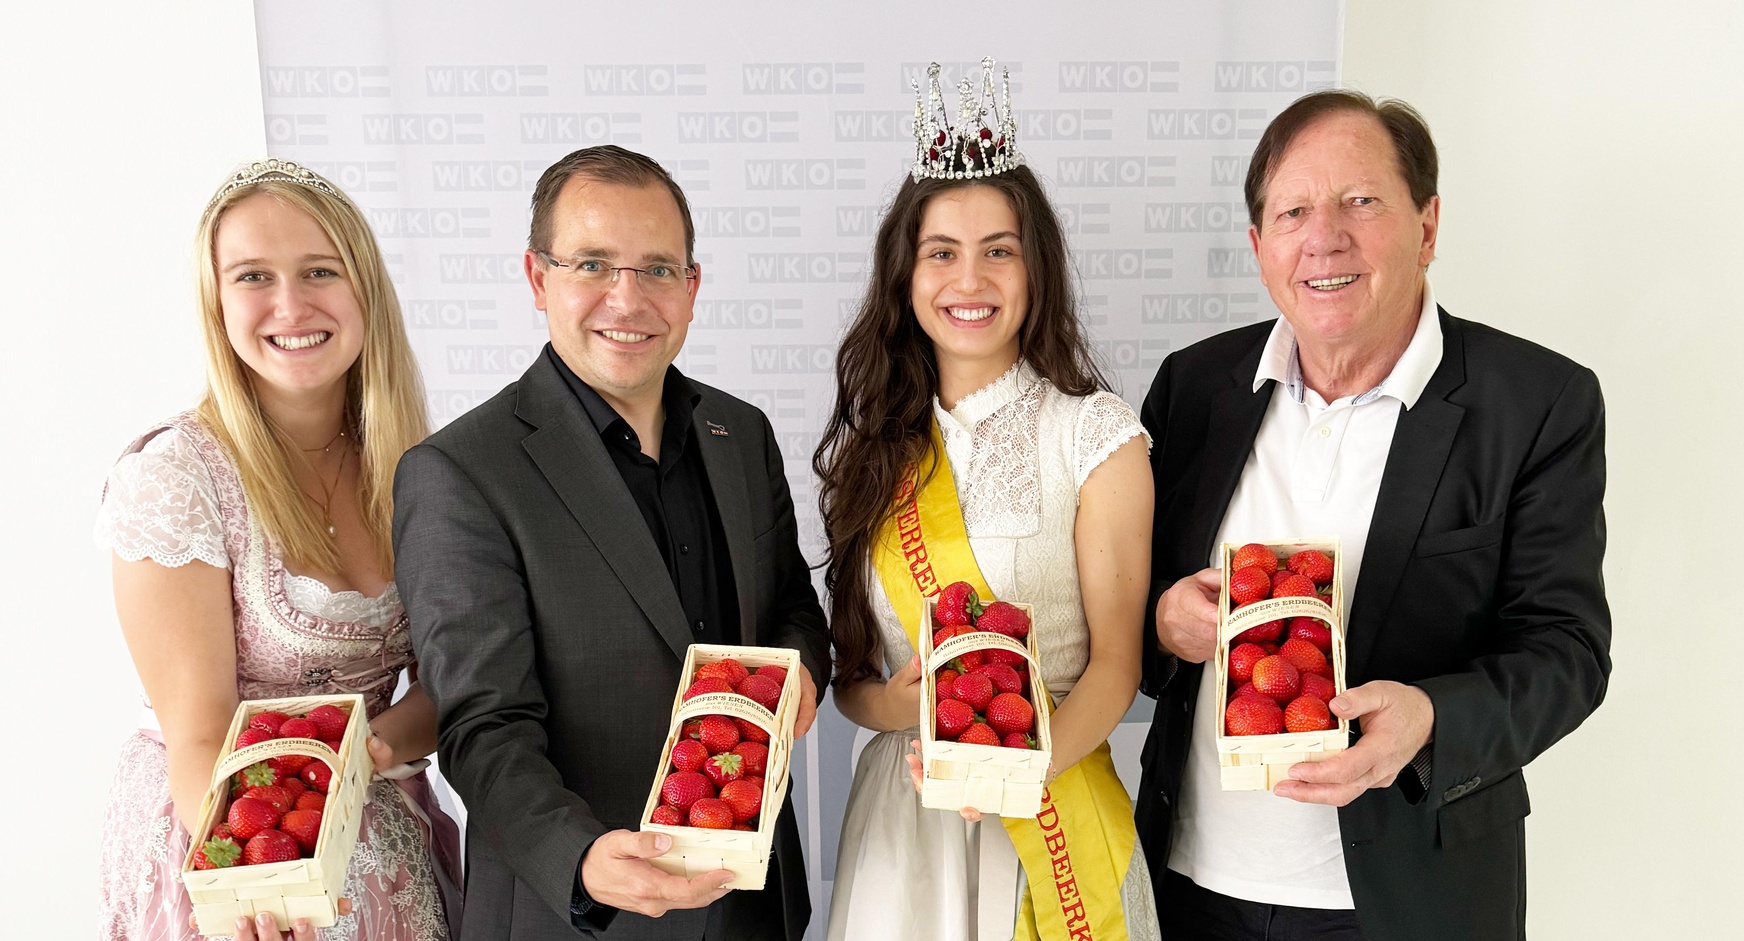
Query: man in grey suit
(560, 546)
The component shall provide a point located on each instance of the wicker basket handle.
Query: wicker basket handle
(1276, 609)
(978, 640)
(728, 704)
(273, 748)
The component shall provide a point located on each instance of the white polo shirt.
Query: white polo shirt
(1315, 470)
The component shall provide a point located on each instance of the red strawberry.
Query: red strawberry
(251, 736)
(756, 757)
(708, 684)
(711, 814)
(967, 662)
(1256, 555)
(1313, 684)
(311, 800)
(317, 775)
(299, 728)
(976, 689)
(1247, 689)
(268, 722)
(333, 744)
(748, 731)
(1294, 586)
(330, 722)
(295, 787)
(979, 733)
(778, 674)
(729, 669)
(1326, 598)
(219, 852)
(1005, 618)
(1314, 631)
(269, 846)
(1009, 712)
(683, 788)
(667, 815)
(946, 632)
(304, 826)
(1019, 740)
(744, 798)
(1010, 658)
(688, 754)
(289, 765)
(1004, 678)
(761, 690)
(745, 827)
(942, 681)
(957, 605)
(1278, 678)
(261, 774)
(691, 729)
(719, 734)
(1265, 633)
(280, 799)
(1313, 564)
(724, 767)
(1252, 715)
(1307, 714)
(1306, 657)
(1242, 660)
(1249, 585)
(950, 719)
(250, 815)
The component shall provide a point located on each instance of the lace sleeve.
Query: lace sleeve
(1105, 422)
(160, 504)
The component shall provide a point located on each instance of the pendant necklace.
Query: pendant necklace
(328, 491)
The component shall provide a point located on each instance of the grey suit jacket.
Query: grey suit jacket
(550, 638)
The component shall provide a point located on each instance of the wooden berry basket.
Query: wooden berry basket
(300, 888)
(744, 853)
(991, 779)
(1259, 762)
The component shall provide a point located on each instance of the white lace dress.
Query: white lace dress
(175, 497)
(1019, 452)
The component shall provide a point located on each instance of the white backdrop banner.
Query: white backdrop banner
(788, 125)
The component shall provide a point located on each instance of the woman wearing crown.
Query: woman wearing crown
(252, 557)
(967, 358)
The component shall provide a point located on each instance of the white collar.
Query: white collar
(1280, 363)
(992, 397)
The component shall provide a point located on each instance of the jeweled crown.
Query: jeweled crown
(984, 140)
(273, 168)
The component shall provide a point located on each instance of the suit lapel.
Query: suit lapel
(569, 452)
(1421, 443)
(1232, 423)
(726, 477)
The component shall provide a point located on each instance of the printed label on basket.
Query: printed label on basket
(1274, 609)
(274, 748)
(728, 704)
(975, 640)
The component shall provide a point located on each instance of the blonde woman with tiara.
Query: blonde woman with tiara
(253, 558)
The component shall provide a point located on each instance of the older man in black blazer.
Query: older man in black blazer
(559, 548)
(1464, 471)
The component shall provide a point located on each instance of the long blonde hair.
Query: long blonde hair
(384, 396)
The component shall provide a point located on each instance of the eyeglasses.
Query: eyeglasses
(595, 273)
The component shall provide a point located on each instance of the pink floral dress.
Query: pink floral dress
(176, 497)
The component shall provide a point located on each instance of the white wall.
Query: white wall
(1591, 202)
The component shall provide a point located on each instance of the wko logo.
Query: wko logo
(738, 127)
(1116, 171)
(360, 176)
(910, 74)
(296, 129)
(1126, 355)
(1194, 217)
(483, 176)
(1228, 171)
(1231, 263)
(488, 359)
(1298, 76)
(792, 358)
(692, 175)
(1204, 123)
(758, 314)
(828, 173)
(657, 80)
(480, 268)
(1122, 264)
(478, 314)
(400, 129)
(805, 267)
(746, 221)
(581, 127)
(855, 220)
(873, 125)
(1083, 218)
(1158, 309)
(487, 81)
(355, 81)
(445, 405)
(1065, 124)
(785, 405)
(697, 359)
(1128, 77)
(471, 222)
(804, 78)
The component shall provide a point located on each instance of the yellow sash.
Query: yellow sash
(1076, 851)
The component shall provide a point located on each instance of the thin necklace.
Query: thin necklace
(329, 445)
(328, 491)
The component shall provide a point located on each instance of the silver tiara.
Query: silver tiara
(984, 141)
(275, 169)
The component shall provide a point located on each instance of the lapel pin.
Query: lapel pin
(715, 429)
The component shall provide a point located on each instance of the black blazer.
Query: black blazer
(550, 637)
(1480, 584)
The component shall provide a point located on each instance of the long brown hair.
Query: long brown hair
(887, 376)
